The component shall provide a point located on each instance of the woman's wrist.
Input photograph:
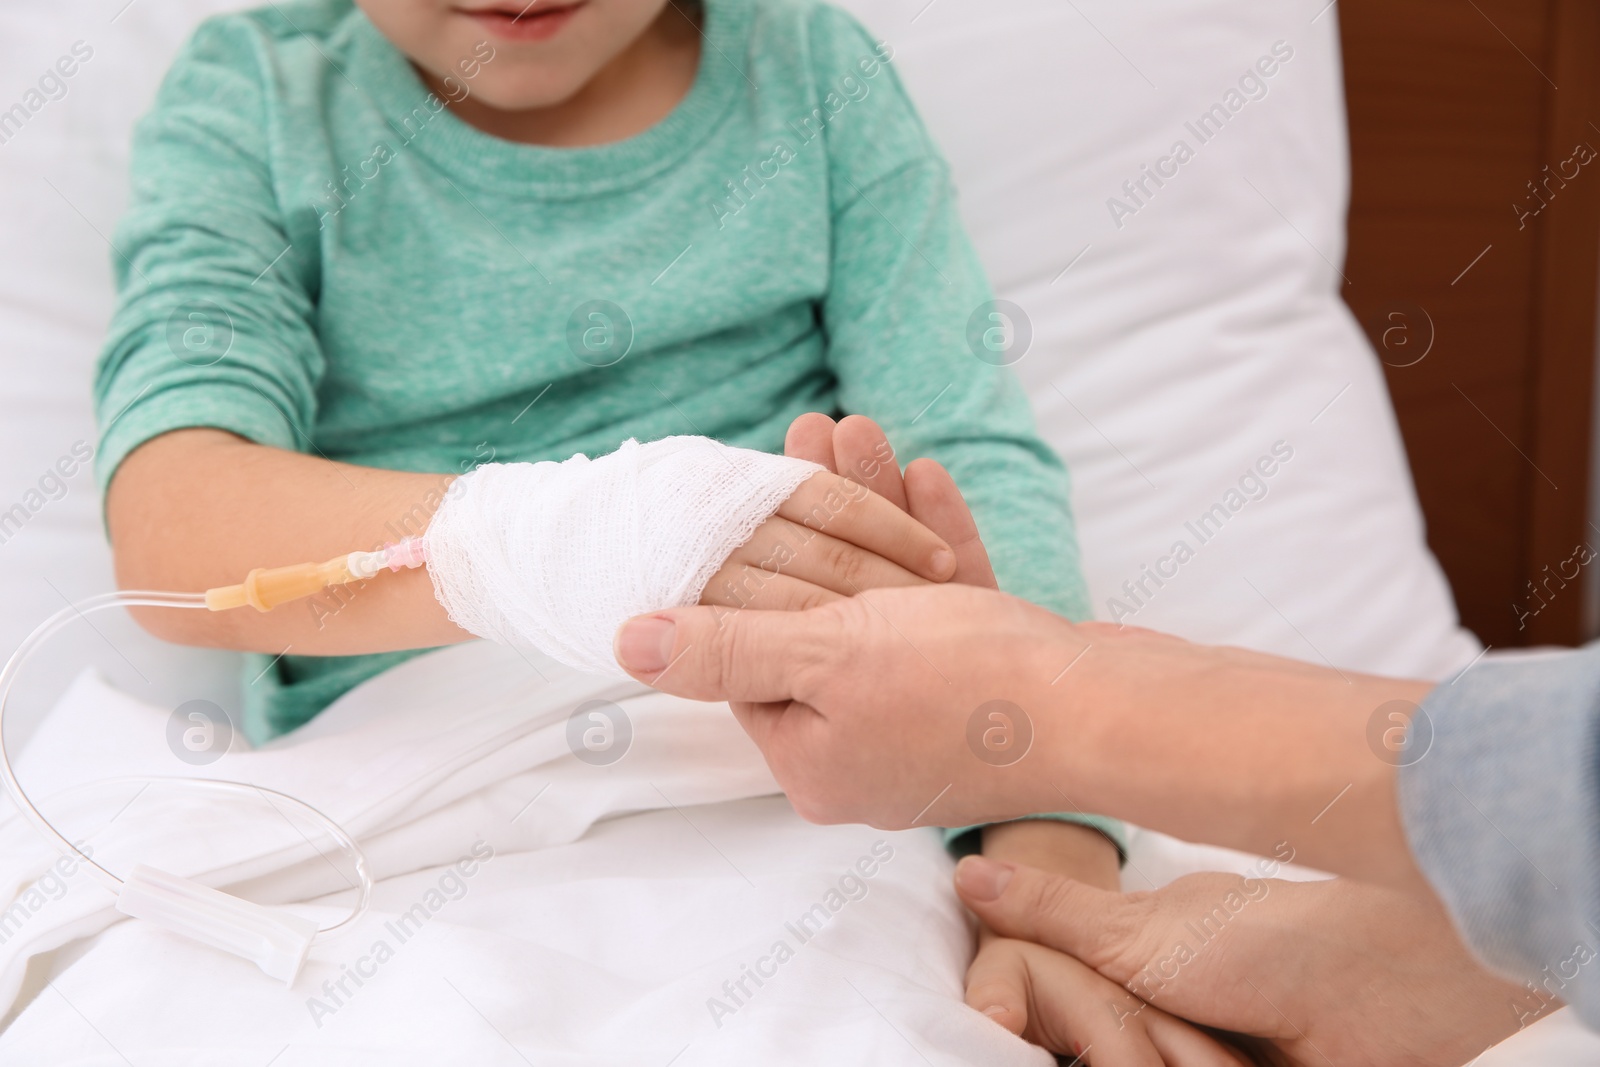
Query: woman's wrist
(1229, 746)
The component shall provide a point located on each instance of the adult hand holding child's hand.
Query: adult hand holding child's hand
(1041, 995)
(822, 691)
(1320, 972)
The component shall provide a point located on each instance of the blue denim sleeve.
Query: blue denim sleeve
(1502, 810)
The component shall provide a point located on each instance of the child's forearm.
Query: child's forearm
(1077, 851)
(199, 508)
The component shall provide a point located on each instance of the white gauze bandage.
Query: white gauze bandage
(557, 556)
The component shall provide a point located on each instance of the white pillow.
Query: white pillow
(1165, 359)
(63, 172)
(1180, 332)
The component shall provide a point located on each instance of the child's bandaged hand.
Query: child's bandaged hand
(832, 538)
(556, 556)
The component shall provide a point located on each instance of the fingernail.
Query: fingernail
(943, 562)
(644, 645)
(982, 879)
(995, 1009)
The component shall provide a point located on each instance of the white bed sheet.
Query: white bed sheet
(610, 915)
(617, 901)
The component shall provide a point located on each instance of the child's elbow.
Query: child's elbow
(166, 624)
(138, 567)
(184, 626)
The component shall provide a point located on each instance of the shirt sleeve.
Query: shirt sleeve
(1502, 809)
(213, 320)
(909, 319)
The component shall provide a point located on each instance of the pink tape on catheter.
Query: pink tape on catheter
(412, 552)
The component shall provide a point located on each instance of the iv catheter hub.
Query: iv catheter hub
(264, 588)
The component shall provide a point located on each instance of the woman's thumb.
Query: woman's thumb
(1047, 909)
(713, 653)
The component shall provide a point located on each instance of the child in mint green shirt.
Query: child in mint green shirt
(364, 276)
(414, 237)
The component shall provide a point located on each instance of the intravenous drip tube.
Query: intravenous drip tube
(276, 940)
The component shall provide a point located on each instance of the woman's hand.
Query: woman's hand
(858, 525)
(873, 709)
(1055, 1000)
(1320, 972)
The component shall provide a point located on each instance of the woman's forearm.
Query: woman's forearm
(874, 708)
(1239, 748)
(199, 508)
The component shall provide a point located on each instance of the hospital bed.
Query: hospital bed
(1184, 319)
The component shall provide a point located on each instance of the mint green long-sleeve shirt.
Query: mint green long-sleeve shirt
(320, 256)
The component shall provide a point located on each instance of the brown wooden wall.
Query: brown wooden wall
(1456, 106)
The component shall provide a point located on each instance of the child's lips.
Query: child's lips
(537, 21)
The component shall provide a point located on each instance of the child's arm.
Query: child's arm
(209, 387)
(1084, 854)
(197, 508)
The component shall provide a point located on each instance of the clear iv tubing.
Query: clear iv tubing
(133, 598)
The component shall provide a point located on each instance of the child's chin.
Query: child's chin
(531, 91)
